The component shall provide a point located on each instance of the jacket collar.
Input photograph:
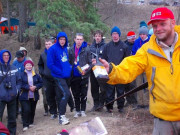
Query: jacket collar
(163, 45)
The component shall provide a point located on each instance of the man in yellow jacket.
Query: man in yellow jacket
(160, 60)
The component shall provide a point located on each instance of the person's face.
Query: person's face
(6, 57)
(48, 44)
(62, 41)
(115, 37)
(20, 59)
(163, 29)
(79, 40)
(25, 52)
(98, 38)
(143, 36)
(131, 40)
(28, 67)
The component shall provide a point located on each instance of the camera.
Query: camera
(8, 85)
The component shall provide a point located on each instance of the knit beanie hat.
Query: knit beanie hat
(116, 29)
(28, 61)
(131, 34)
(143, 23)
(143, 30)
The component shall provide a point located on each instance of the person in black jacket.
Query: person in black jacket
(115, 51)
(131, 99)
(80, 57)
(97, 90)
(29, 94)
(10, 83)
(48, 81)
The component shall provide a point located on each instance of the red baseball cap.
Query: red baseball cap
(161, 13)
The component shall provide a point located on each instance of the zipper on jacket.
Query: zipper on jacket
(21, 93)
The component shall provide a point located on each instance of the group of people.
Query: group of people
(19, 83)
(65, 74)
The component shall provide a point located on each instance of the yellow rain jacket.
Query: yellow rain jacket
(163, 77)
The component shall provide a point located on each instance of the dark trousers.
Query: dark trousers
(79, 89)
(29, 108)
(44, 99)
(110, 93)
(17, 104)
(11, 110)
(98, 91)
(132, 98)
(62, 94)
(50, 89)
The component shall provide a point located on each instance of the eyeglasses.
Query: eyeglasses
(5, 55)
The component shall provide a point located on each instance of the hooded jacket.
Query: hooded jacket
(24, 49)
(84, 58)
(13, 78)
(138, 43)
(58, 60)
(163, 77)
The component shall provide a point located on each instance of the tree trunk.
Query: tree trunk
(37, 42)
(22, 37)
(37, 39)
(1, 8)
(9, 21)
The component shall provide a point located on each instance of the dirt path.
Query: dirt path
(137, 122)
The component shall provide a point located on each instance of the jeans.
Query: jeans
(110, 91)
(11, 110)
(62, 95)
(29, 108)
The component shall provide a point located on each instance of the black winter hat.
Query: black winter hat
(19, 54)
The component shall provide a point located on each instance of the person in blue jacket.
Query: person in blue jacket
(10, 83)
(58, 63)
(143, 38)
(18, 62)
(80, 56)
(29, 93)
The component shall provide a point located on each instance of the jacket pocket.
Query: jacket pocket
(67, 68)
